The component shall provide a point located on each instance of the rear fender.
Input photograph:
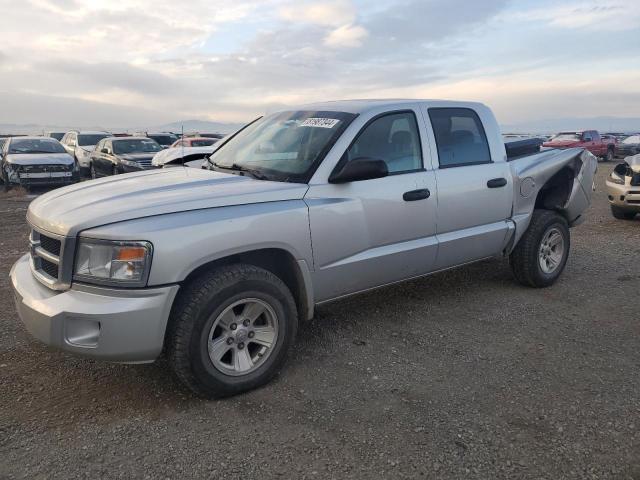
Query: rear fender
(560, 180)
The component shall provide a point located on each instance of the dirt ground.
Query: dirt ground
(464, 374)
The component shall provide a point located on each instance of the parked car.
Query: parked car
(32, 161)
(623, 189)
(182, 156)
(587, 139)
(209, 135)
(216, 266)
(115, 155)
(628, 147)
(164, 139)
(194, 142)
(80, 144)
(57, 135)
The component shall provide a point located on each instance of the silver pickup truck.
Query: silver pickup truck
(216, 267)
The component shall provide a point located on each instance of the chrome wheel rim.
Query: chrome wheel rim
(551, 250)
(242, 337)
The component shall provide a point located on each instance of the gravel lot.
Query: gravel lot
(461, 375)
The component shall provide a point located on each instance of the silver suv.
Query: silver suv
(80, 144)
(217, 266)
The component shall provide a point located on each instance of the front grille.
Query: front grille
(49, 268)
(45, 168)
(144, 163)
(47, 259)
(51, 245)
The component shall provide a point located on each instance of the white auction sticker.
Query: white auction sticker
(320, 122)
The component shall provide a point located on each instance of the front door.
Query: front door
(374, 232)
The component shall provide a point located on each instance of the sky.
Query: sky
(149, 62)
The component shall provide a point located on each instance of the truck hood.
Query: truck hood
(69, 210)
(634, 163)
(39, 159)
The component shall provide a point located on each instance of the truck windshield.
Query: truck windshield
(564, 137)
(286, 146)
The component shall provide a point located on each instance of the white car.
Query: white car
(183, 156)
(80, 144)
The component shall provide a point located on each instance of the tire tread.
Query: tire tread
(187, 308)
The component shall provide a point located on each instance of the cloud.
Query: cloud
(346, 36)
(333, 13)
(231, 60)
(601, 15)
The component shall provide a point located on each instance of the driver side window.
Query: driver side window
(393, 138)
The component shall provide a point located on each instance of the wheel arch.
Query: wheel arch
(279, 261)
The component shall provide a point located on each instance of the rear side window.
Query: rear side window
(393, 138)
(460, 137)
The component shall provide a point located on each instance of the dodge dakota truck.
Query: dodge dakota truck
(215, 267)
(589, 140)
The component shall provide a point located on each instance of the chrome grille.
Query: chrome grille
(47, 254)
(145, 163)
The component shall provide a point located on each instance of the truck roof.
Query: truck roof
(361, 106)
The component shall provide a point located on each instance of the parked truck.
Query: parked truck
(589, 140)
(216, 267)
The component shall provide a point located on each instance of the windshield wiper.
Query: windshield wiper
(239, 168)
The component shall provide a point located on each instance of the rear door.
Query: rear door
(372, 232)
(475, 190)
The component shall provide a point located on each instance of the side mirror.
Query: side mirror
(104, 150)
(361, 168)
(587, 139)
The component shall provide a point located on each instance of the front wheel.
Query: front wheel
(542, 252)
(230, 330)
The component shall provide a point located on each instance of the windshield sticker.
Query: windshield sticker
(320, 122)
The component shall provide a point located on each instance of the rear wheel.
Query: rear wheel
(610, 155)
(230, 330)
(542, 252)
(622, 214)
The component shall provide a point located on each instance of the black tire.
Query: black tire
(622, 214)
(195, 311)
(524, 259)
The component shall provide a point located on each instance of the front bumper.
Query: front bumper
(120, 325)
(624, 196)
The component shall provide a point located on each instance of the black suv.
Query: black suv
(116, 155)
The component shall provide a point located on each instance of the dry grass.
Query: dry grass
(13, 192)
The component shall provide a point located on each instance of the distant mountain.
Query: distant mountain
(202, 126)
(602, 124)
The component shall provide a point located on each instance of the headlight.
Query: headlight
(615, 178)
(113, 263)
(131, 163)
